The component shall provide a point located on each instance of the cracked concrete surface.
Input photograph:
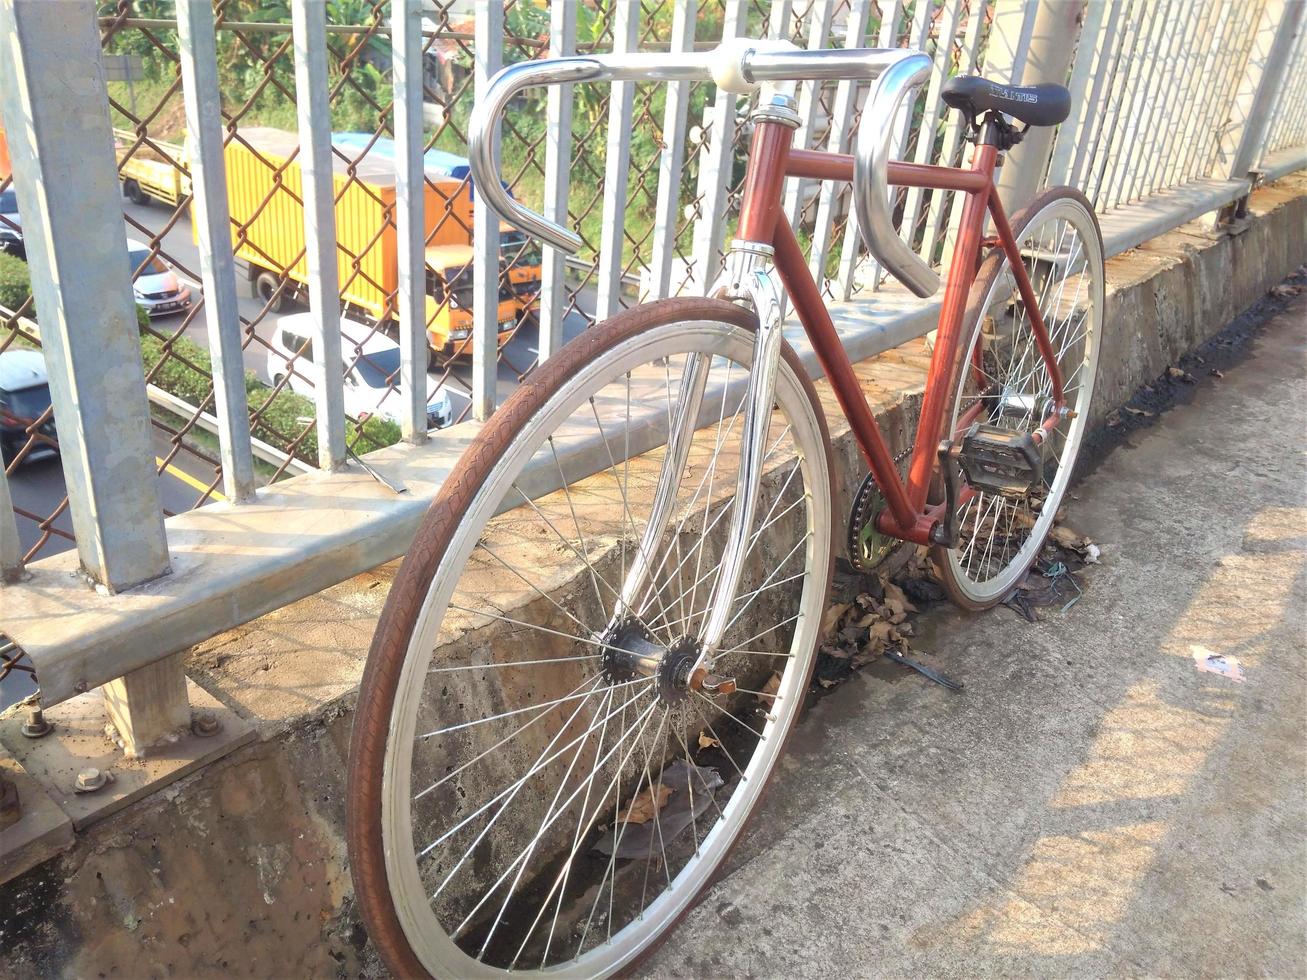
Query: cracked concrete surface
(1093, 803)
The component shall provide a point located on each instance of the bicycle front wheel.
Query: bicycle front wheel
(537, 784)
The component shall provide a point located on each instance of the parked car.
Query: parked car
(157, 288)
(11, 227)
(24, 397)
(370, 363)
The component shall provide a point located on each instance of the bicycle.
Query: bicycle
(602, 633)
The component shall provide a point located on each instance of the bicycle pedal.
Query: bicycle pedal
(1006, 462)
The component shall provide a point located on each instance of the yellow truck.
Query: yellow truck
(155, 172)
(265, 195)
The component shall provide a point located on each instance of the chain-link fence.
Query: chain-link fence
(256, 73)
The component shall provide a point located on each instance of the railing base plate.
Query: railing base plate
(79, 743)
(42, 830)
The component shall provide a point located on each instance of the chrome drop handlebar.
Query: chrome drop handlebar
(738, 66)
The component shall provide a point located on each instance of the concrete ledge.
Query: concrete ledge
(261, 829)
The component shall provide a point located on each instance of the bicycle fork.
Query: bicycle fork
(747, 278)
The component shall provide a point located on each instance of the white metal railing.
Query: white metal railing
(1175, 103)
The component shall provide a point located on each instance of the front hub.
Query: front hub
(630, 651)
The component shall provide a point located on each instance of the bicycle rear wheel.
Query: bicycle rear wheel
(535, 785)
(1002, 381)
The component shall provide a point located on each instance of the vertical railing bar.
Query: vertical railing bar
(1203, 127)
(942, 216)
(1107, 51)
(11, 550)
(488, 37)
(1142, 62)
(1106, 135)
(809, 103)
(1179, 103)
(558, 174)
(312, 107)
(1211, 113)
(197, 52)
(1295, 108)
(714, 166)
(626, 26)
(929, 125)
(919, 38)
(1257, 97)
(1229, 87)
(1023, 43)
(671, 162)
(1139, 99)
(850, 251)
(841, 122)
(410, 217)
(53, 98)
(778, 20)
(1290, 104)
(1068, 133)
(1159, 94)
(1235, 60)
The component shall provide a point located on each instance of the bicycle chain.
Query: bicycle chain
(867, 502)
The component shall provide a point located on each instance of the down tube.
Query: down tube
(811, 309)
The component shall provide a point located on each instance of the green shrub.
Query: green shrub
(187, 373)
(15, 285)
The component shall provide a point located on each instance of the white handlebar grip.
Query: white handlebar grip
(729, 60)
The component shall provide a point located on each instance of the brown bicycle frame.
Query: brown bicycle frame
(771, 159)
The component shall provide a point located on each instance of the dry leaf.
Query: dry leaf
(832, 617)
(707, 743)
(826, 683)
(1066, 538)
(646, 803)
(1284, 291)
(1139, 411)
(1216, 374)
(893, 594)
(773, 684)
(1180, 375)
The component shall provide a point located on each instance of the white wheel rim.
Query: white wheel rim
(428, 939)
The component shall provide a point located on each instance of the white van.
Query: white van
(370, 363)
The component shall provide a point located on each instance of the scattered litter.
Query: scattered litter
(1286, 290)
(1216, 374)
(1179, 374)
(643, 807)
(925, 671)
(1217, 663)
(1049, 583)
(1140, 411)
(640, 840)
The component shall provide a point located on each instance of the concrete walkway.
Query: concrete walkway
(1092, 804)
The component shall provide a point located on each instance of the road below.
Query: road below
(1094, 803)
(180, 251)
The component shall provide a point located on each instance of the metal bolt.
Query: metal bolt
(90, 780)
(205, 724)
(36, 725)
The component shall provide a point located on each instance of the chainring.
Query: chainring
(868, 547)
